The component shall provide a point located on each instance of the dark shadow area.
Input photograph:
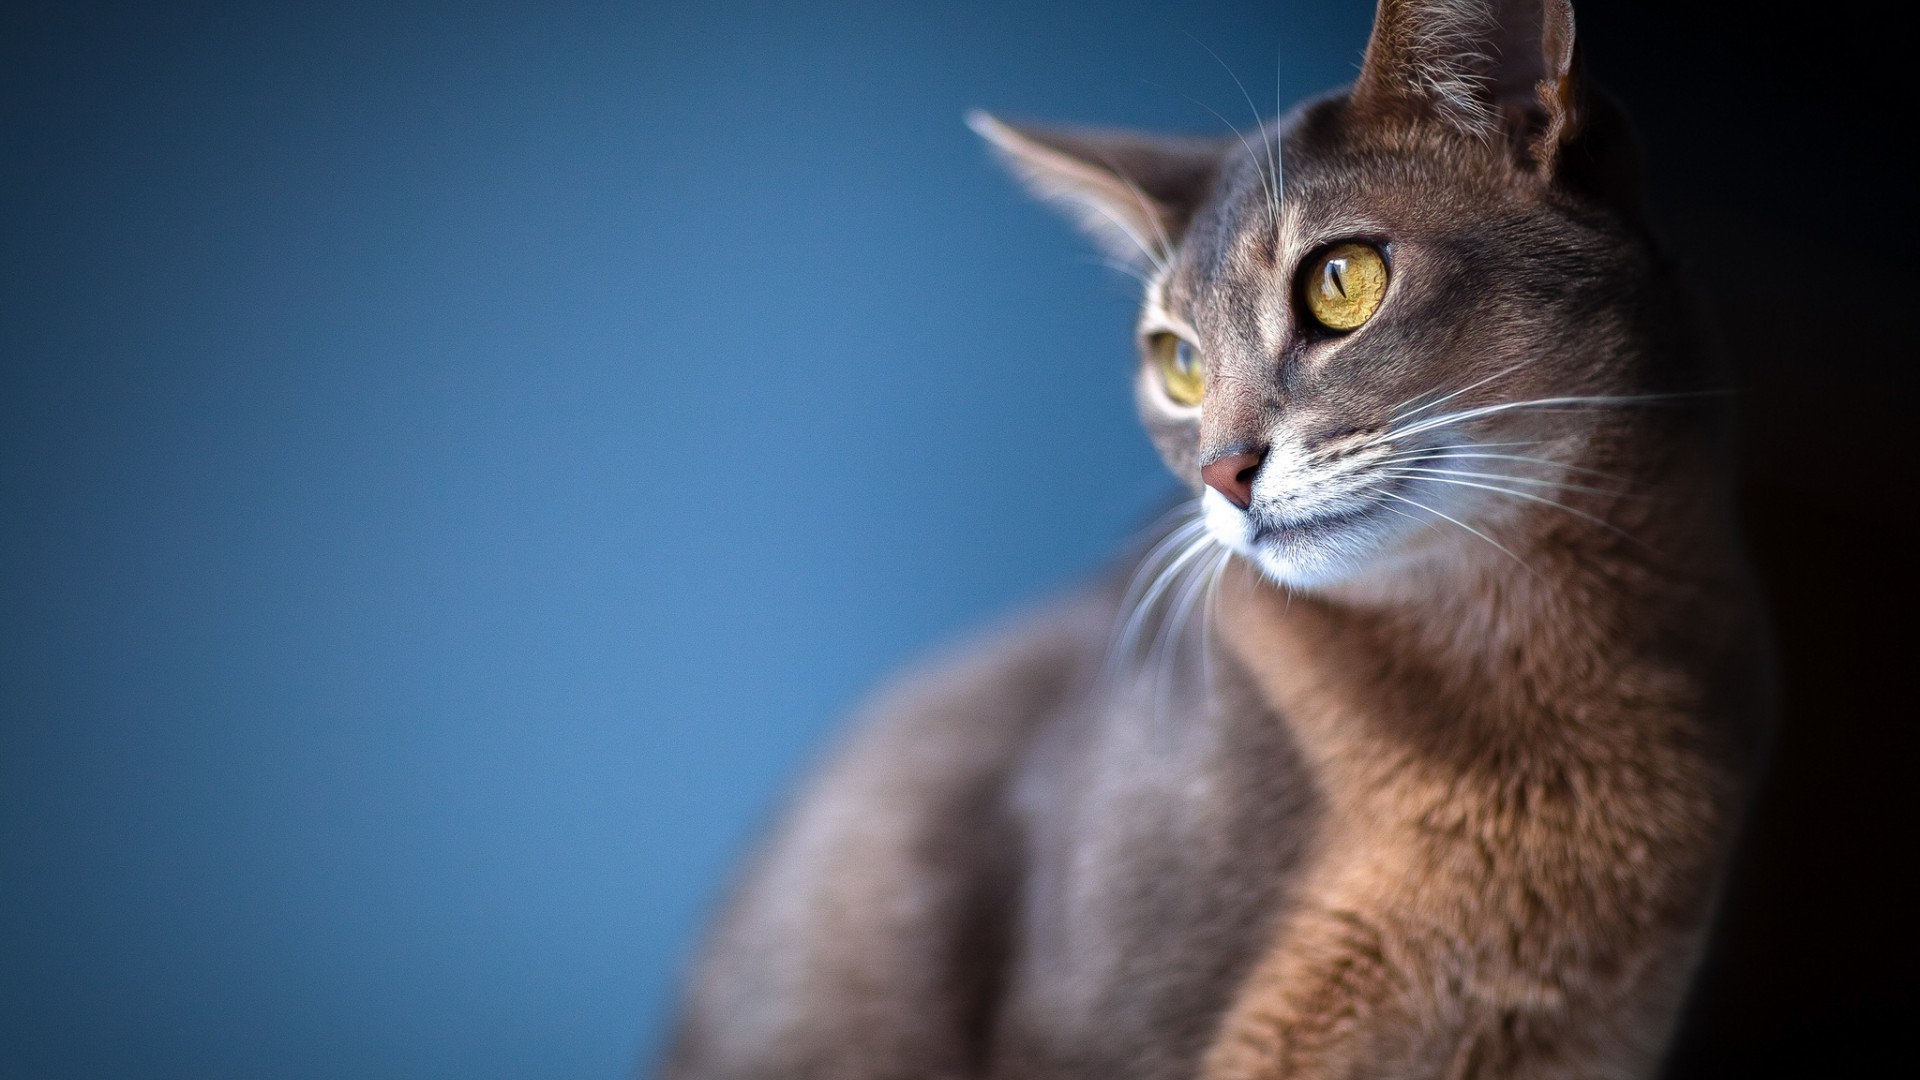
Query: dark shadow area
(1771, 143)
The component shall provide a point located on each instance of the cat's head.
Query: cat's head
(1400, 306)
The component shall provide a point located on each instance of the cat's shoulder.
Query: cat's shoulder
(991, 686)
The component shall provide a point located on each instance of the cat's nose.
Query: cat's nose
(1232, 475)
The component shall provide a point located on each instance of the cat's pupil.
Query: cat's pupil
(1183, 358)
(1336, 276)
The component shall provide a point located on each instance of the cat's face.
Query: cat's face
(1401, 284)
(1370, 337)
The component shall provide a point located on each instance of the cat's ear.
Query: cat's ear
(1493, 69)
(1135, 194)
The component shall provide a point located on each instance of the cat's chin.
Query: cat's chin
(1319, 553)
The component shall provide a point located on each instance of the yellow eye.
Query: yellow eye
(1182, 374)
(1345, 284)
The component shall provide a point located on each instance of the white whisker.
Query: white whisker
(1178, 538)
(1166, 643)
(1124, 268)
(1244, 144)
(1279, 150)
(1273, 195)
(1445, 517)
(1153, 258)
(1147, 211)
(1570, 402)
(1149, 572)
(1405, 468)
(1122, 655)
(1608, 525)
(1456, 446)
(1449, 397)
(1435, 454)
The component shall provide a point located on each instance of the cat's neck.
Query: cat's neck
(1468, 645)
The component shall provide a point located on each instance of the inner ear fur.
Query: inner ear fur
(1491, 69)
(1134, 193)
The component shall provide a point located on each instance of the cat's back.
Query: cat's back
(893, 876)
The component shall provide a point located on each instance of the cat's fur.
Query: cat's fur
(1441, 789)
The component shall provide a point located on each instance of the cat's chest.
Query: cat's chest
(1161, 838)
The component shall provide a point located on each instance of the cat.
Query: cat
(1414, 742)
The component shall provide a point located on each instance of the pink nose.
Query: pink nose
(1232, 475)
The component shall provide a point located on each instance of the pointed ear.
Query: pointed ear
(1493, 69)
(1134, 194)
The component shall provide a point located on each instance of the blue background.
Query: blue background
(460, 461)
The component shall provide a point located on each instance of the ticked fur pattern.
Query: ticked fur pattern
(1420, 760)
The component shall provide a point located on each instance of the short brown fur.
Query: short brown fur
(1456, 801)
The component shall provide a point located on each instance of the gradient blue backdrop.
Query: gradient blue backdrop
(459, 462)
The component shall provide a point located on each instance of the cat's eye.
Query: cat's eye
(1344, 285)
(1182, 372)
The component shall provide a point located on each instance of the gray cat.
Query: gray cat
(1413, 744)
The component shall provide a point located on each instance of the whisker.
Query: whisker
(1608, 525)
(1128, 642)
(1124, 268)
(1148, 571)
(1244, 144)
(1423, 522)
(1126, 230)
(1178, 538)
(1515, 479)
(1146, 211)
(1166, 643)
(1449, 397)
(1193, 508)
(1435, 455)
(1279, 150)
(1569, 402)
(1445, 517)
(1462, 446)
(1273, 195)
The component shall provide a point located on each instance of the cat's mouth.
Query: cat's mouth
(1258, 525)
(1324, 545)
(1319, 526)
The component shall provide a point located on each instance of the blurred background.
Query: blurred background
(458, 462)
